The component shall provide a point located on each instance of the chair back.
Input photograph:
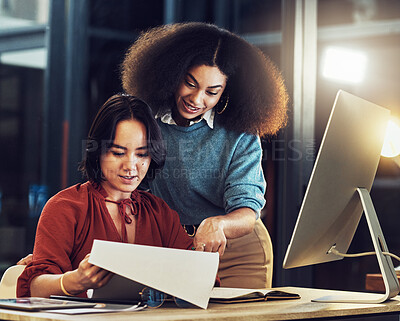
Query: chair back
(8, 283)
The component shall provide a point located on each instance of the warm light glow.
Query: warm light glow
(391, 144)
(344, 65)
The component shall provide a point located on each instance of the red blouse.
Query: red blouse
(76, 216)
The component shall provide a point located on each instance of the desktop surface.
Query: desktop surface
(297, 309)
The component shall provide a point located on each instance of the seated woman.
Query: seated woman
(123, 147)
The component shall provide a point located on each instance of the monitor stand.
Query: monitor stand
(385, 263)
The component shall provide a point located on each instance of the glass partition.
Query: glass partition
(22, 67)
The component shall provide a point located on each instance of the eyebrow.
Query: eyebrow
(124, 148)
(194, 79)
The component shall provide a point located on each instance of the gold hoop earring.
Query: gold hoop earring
(223, 109)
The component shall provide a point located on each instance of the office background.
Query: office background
(59, 61)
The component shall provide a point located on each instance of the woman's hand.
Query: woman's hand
(86, 276)
(210, 236)
(26, 260)
(213, 232)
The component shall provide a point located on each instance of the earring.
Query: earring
(223, 109)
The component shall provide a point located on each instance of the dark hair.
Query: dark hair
(102, 134)
(157, 62)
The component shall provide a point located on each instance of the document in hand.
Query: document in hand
(236, 295)
(188, 275)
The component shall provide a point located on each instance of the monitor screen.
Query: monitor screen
(347, 159)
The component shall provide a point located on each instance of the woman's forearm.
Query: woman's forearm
(237, 223)
(45, 285)
(87, 276)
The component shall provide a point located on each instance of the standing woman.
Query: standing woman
(214, 96)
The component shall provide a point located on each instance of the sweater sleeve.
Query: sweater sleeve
(54, 241)
(245, 184)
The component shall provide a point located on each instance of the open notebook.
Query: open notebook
(237, 295)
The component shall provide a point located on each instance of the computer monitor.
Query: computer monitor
(338, 193)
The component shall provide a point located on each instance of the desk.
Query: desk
(298, 309)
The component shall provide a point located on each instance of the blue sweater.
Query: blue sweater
(209, 172)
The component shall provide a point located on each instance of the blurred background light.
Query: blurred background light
(391, 145)
(31, 58)
(344, 65)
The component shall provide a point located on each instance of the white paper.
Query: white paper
(231, 293)
(188, 275)
(97, 309)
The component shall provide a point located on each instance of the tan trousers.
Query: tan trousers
(247, 261)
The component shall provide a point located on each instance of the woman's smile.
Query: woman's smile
(191, 108)
(129, 179)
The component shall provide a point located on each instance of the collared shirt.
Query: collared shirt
(208, 116)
